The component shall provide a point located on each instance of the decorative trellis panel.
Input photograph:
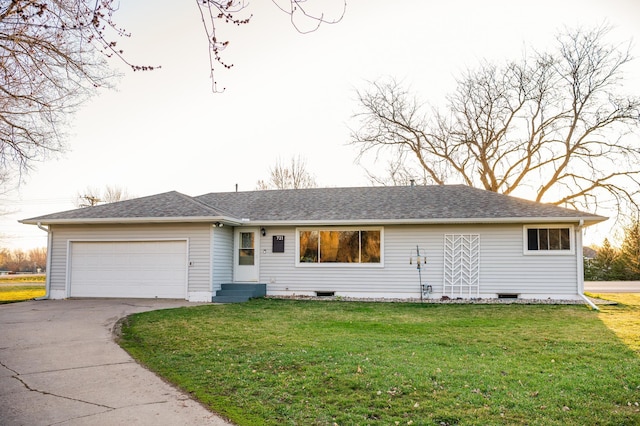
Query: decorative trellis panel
(462, 265)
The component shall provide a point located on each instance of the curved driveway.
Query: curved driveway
(59, 365)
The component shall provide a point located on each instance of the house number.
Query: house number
(278, 244)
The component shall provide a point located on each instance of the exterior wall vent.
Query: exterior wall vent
(507, 295)
(325, 293)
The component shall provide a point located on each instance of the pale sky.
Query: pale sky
(287, 95)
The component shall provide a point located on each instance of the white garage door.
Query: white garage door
(145, 269)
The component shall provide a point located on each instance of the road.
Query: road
(612, 286)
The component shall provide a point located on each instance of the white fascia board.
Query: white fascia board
(133, 220)
(455, 221)
(244, 222)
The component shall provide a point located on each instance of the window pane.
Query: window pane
(548, 239)
(565, 239)
(246, 257)
(339, 246)
(349, 247)
(370, 250)
(543, 239)
(246, 240)
(532, 239)
(309, 246)
(329, 245)
(554, 239)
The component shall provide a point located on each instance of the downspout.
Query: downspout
(47, 285)
(580, 267)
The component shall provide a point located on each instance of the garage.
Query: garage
(130, 269)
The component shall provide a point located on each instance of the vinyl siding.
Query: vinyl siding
(197, 235)
(504, 268)
(222, 256)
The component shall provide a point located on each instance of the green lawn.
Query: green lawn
(8, 279)
(349, 363)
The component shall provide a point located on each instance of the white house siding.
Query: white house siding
(197, 235)
(504, 268)
(222, 256)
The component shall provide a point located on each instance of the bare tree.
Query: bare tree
(92, 196)
(306, 16)
(296, 176)
(38, 258)
(53, 56)
(48, 66)
(18, 260)
(554, 124)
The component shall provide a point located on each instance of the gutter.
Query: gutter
(580, 268)
(133, 220)
(231, 221)
(430, 221)
(47, 285)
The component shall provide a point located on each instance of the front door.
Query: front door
(247, 255)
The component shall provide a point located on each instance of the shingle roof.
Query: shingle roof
(166, 205)
(325, 205)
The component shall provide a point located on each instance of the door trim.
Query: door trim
(246, 274)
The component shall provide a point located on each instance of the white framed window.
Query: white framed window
(343, 246)
(548, 239)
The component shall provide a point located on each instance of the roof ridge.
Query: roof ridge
(193, 200)
(215, 209)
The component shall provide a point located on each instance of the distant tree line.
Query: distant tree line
(17, 260)
(617, 264)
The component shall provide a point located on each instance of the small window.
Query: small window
(548, 239)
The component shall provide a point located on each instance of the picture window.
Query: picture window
(340, 246)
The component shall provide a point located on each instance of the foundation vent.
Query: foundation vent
(507, 295)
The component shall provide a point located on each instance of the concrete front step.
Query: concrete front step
(237, 293)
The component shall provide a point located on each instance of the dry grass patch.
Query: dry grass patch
(9, 293)
(623, 319)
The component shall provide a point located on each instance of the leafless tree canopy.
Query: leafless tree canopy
(53, 55)
(48, 66)
(555, 124)
(296, 176)
(305, 17)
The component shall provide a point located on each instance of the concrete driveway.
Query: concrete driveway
(59, 365)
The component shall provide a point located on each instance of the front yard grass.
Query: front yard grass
(273, 362)
(36, 278)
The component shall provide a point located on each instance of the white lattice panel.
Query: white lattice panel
(462, 265)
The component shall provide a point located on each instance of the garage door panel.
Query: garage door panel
(145, 269)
